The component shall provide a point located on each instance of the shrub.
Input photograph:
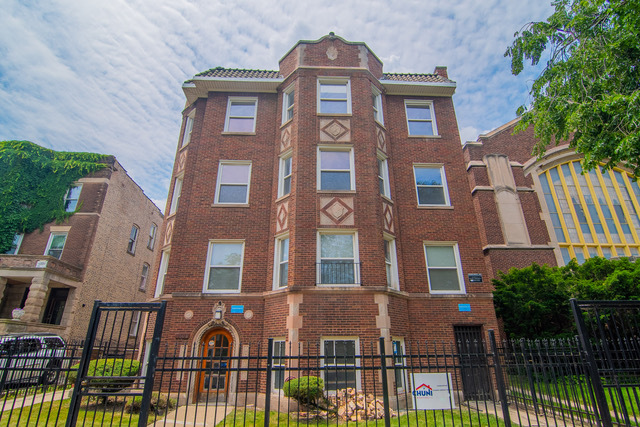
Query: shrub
(305, 390)
(159, 403)
(109, 368)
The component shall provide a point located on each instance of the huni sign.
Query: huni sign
(432, 391)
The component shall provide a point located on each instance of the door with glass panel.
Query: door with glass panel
(217, 348)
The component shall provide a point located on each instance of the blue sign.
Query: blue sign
(237, 309)
(461, 307)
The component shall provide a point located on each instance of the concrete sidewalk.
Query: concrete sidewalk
(195, 415)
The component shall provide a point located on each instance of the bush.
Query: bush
(109, 368)
(305, 390)
(159, 403)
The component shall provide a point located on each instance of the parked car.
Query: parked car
(28, 358)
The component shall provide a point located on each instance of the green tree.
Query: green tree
(33, 182)
(588, 92)
(533, 301)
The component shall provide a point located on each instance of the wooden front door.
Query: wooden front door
(217, 350)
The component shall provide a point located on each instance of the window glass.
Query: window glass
(152, 236)
(337, 259)
(225, 266)
(241, 115)
(143, 277)
(15, 244)
(376, 98)
(175, 199)
(419, 118)
(56, 244)
(131, 247)
(284, 186)
(188, 128)
(282, 263)
(442, 268)
(233, 183)
(287, 107)
(340, 353)
(335, 170)
(430, 185)
(162, 273)
(72, 197)
(334, 97)
(383, 177)
(278, 364)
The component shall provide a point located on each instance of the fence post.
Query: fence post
(267, 397)
(601, 399)
(385, 384)
(502, 391)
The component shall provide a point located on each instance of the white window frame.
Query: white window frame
(352, 174)
(385, 175)
(188, 128)
(162, 273)
(336, 81)
(356, 358)
(219, 182)
(378, 116)
(279, 363)
(443, 177)
(153, 231)
(423, 103)
(135, 323)
(177, 191)
(402, 364)
(277, 261)
(208, 267)
(241, 99)
(287, 107)
(284, 158)
(456, 254)
(394, 282)
(51, 236)
(133, 239)
(15, 245)
(356, 256)
(144, 276)
(67, 198)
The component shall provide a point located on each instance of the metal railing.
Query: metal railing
(337, 273)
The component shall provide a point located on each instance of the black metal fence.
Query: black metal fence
(380, 382)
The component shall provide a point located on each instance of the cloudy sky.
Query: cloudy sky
(106, 75)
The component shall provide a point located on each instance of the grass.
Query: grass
(413, 418)
(55, 413)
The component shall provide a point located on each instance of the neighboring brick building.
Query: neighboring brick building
(545, 210)
(326, 203)
(103, 251)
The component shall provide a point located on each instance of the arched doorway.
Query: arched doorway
(217, 346)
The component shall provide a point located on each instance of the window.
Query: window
(284, 177)
(56, 244)
(399, 363)
(15, 245)
(338, 258)
(233, 182)
(71, 198)
(390, 261)
(335, 169)
(281, 262)
(431, 185)
(376, 97)
(340, 353)
(143, 277)
(420, 118)
(279, 366)
(133, 236)
(334, 96)
(224, 266)
(188, 128)
(241, 115)
(162, 273)
(383, 176)
(443, 268)
(177, 189)
(287, 104)
(135, 323)
(152, 236)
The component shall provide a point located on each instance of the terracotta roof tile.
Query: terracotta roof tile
(411, 77)
(239, 73)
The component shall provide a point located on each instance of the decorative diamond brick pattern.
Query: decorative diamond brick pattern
(182, 160)
(282, 222)
(335, 130)
(336, 211)
(168, 234)
(381, 138)
(285, 138)
(387, 214)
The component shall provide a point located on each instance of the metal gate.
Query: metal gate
(609, 332)
(109, 370)
(476, 381)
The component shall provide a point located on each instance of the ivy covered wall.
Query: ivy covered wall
(33, 183)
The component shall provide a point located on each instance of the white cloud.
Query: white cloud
(106, 75)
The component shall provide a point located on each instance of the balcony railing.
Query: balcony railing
(338, 273)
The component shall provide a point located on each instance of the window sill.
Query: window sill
(435, 207)
(131, 253)
(230, 205)
(334, 115)
(380, 124)
(283, 125)
(225, 291)
(386, 198)
(336, 191)
(445, 293)
(238, 133)
(183, 146)
(281, 198)
(425, 136)
(336, 285)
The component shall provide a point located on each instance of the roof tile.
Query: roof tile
(412, 77)
(239, 73)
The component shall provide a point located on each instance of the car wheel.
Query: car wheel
(50, 375)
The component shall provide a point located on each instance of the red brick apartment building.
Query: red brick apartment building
(104, 251)
(326, 203)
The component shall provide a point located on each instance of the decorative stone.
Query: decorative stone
(17, 313)
(188, 314)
